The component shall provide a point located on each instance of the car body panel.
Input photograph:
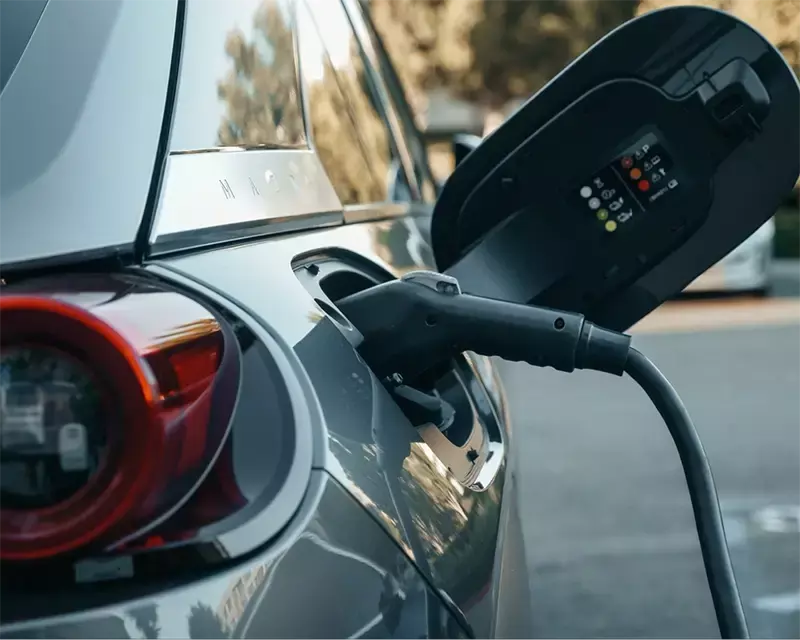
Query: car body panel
(380, 594)
(233, 223)
(72, 165)
(372, 449)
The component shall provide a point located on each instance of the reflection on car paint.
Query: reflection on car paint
(372, 449)
(239, 54)
(379, 593)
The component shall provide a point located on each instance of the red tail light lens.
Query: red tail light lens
(113, 408)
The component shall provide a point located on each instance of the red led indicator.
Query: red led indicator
(644, 185)
(627, 162)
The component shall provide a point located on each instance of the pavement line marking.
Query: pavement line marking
(779, 603)
(686, 316)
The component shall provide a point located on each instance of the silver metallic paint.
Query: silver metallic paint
(378, 592)
(466, 543)
(449, 531)
(80, 120)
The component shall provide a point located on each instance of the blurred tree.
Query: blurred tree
(260, 91)
(263, 104)
(348, 131)
(519, 46)
(425, 39)
(777, 20)
(343, 152)
(490, 51)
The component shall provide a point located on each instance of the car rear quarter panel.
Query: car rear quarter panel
(467, 543)
(378, 593)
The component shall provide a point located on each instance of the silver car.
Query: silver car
(187, 190)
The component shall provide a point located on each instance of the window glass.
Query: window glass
(239, 85)
(350, 135)
(404, 107)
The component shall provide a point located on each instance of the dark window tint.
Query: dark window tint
(239, 84)
(350, 135)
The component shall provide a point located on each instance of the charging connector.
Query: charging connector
(412, 324)
(424, 319)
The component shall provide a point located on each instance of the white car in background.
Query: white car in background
(746, 269)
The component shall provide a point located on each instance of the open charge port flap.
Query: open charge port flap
(438, 398)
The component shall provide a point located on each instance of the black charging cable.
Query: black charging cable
(423, 319)
(702, 492)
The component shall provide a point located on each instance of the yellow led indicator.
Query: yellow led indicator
(602, 214)
(611, 226)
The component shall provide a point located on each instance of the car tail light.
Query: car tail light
(116, 400)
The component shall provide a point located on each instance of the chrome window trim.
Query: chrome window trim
(356, 213)
(223, 195)
(305, 89)
(305, 109)
(208, 198)
(386, 112)
(411, 136)
(370, 56)
(236, 148)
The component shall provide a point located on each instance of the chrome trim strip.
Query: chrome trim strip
(228, 234)
(208, 198)
(393, 121)
(235, 148)
(377, 211)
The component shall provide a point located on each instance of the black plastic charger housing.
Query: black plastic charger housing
(552, 208)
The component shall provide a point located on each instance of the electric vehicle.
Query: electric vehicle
(139, 178)
(251, 322)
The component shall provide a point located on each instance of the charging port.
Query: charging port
(449, 404)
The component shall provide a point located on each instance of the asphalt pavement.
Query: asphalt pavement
(611, 542)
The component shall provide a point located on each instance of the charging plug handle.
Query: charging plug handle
(424, 319)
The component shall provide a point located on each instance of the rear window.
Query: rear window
(239, 83)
